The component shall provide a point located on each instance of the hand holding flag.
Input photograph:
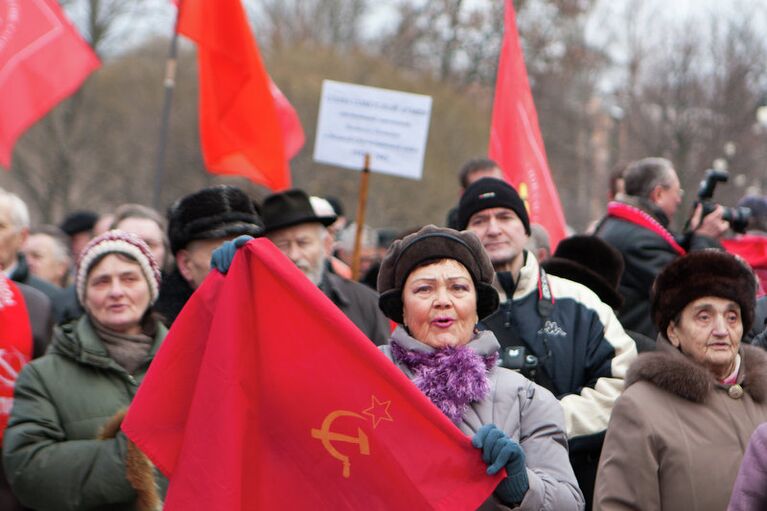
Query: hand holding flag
(265, 396)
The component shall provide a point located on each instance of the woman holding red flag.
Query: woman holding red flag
(437, 284)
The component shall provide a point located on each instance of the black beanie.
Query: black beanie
(487, 193)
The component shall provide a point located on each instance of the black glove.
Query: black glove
(221, 259)
(498, 450)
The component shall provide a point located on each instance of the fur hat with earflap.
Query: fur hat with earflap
(703, 273)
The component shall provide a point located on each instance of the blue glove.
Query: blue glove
(498, 450)
(221, 259)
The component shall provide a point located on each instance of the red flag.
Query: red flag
(752, 248)
(42, 61)
(247, 127)
(265, 396)
(15, 344)
(515, 138)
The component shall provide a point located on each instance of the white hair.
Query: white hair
(346, 238)
(18, 209)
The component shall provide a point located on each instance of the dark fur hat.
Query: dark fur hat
(433, 243)
(698, 274)
(592, 262)
(213, 212)
(487, 193)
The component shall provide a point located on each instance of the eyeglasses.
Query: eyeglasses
(669, 187)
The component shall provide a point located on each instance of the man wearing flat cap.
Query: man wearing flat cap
(197, 224)
(292, 225)
(581, 349)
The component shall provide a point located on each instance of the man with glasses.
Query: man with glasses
(637, 224)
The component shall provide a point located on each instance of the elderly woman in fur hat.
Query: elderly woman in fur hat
(678, 432)
(63, 449)
(436, 283)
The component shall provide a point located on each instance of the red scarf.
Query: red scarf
(15, 344)
(643, 219)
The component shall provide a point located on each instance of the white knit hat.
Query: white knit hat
(118, 242)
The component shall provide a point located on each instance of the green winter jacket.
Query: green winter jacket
(50, 452)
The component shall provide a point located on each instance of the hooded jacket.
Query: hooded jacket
(528, 414)
(677, 436)
(50, 452)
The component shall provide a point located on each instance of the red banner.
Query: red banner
(247, 126)
(15, 344)
(42, 61)
(265, 396)
(515, 138)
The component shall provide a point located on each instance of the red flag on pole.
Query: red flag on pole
(247, 127)
(265, 396)
(42, 61)
(515, 138)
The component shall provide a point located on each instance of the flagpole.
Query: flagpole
(361, 205)
(169, 84)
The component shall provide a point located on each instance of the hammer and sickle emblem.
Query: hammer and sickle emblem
(327, 437)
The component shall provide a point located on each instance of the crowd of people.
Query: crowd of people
(625, 370)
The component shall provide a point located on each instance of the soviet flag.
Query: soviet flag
(265, 396)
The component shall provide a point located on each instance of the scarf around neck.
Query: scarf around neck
(451, 378)
(129, 351)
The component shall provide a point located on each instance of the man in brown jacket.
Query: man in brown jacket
(677, 434)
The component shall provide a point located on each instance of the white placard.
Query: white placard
(389, 125)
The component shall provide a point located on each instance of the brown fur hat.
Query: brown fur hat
(433, 243)
(698, 274)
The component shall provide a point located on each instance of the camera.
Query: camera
(737, 217)
(517, 358)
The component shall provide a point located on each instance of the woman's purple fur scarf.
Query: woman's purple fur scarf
(450, 377)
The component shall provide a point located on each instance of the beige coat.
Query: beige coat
(676, 437)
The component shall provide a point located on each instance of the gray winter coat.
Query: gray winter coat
(526, 412)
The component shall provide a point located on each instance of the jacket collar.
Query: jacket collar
(329, 285)
(646, 206)
(78, 340)
(483, 342)
(526, 282)
(672, 371)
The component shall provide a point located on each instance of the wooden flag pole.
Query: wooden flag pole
(361, 205)
(169, 83)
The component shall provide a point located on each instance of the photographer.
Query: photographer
(637, 224)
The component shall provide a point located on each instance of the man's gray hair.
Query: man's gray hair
(346, 238)
(642, 176)
(60, 241)
(18, 209)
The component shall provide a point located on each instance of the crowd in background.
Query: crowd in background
(649, 343)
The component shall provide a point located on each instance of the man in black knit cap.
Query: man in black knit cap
(579, 350)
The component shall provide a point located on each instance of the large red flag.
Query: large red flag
(265, 396)
(515, 138)
(42, 61)
(247, 127)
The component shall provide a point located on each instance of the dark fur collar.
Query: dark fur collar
(673, 372)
